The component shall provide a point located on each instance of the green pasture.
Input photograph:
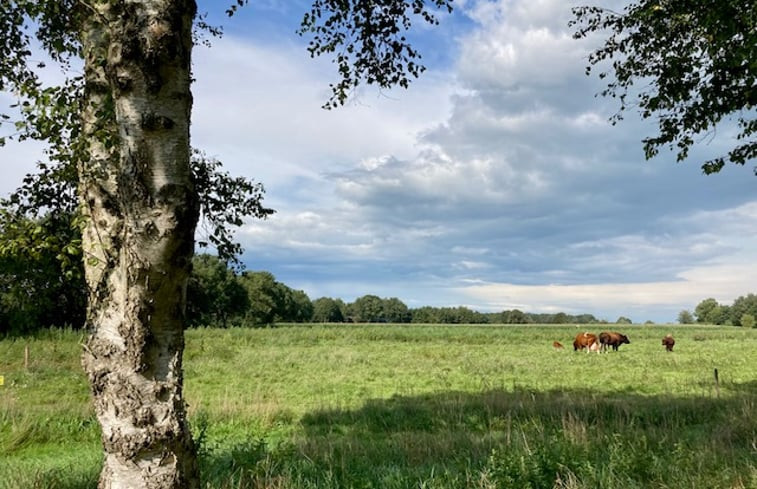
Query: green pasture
(415, 406)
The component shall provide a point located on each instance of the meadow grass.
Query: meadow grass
(425, 406)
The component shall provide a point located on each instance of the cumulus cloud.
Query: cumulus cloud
(259, 106)
(660, 300)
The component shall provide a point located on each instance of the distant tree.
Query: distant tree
(395, 311)
(449, 315)
(263, 296)
(708, 311)
(304, 306)
(327, 310)
(548, 318)
(292, 305)
(214, 295)
(493, 317)
(721, 315)
(424, 315)
(649, 321)
(585, 319)
(561, 318)
(469, 316)
(515, 316)
(685, 317)
(368, 309)
(747, 321)
(453, 315)
(539, 318)
(217, 296)
(623, 320)
(689, 64)
(461, 315)
(745, 304)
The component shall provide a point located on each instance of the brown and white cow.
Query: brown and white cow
(613, 339)
(668, 342)
(586, 341)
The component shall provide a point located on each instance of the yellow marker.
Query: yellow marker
(2, 380)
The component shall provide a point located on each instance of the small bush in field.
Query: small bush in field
(747, 321)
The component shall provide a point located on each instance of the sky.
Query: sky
(494, 182)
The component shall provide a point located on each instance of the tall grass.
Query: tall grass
(395, 406)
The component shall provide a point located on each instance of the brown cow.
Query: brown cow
(668, 342)
(557, 345)
(613, 339)
(587, 341)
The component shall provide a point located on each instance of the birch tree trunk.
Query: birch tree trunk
(137, 195)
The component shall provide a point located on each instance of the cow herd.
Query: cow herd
(606, 340)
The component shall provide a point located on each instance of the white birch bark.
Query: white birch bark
(137, 194)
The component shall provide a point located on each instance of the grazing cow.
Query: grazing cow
(668, 342)
(613, 339)
(587, 341)
(557, 345)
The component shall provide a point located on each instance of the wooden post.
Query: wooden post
(26, 357)
(717, 383)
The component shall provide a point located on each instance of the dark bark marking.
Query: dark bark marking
(154, 122)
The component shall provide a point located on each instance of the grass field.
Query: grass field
(390, 406)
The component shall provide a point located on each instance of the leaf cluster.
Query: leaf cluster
(41, 272)
(688, 63)
(219, 296)
(214, 295)
(235, 6)
(54, 26)
(368, 41)
(47, 201)
(224, 203)
(23, 24)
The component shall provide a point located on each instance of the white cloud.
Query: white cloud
(723, 282)
(258, 108)
(471, 265)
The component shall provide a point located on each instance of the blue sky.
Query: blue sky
(494, 182)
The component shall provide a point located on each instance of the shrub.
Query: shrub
(748, 321)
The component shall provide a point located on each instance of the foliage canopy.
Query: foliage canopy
(691, 64)
(368, 41)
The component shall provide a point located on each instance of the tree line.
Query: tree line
(36, 294)
(742, 312)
